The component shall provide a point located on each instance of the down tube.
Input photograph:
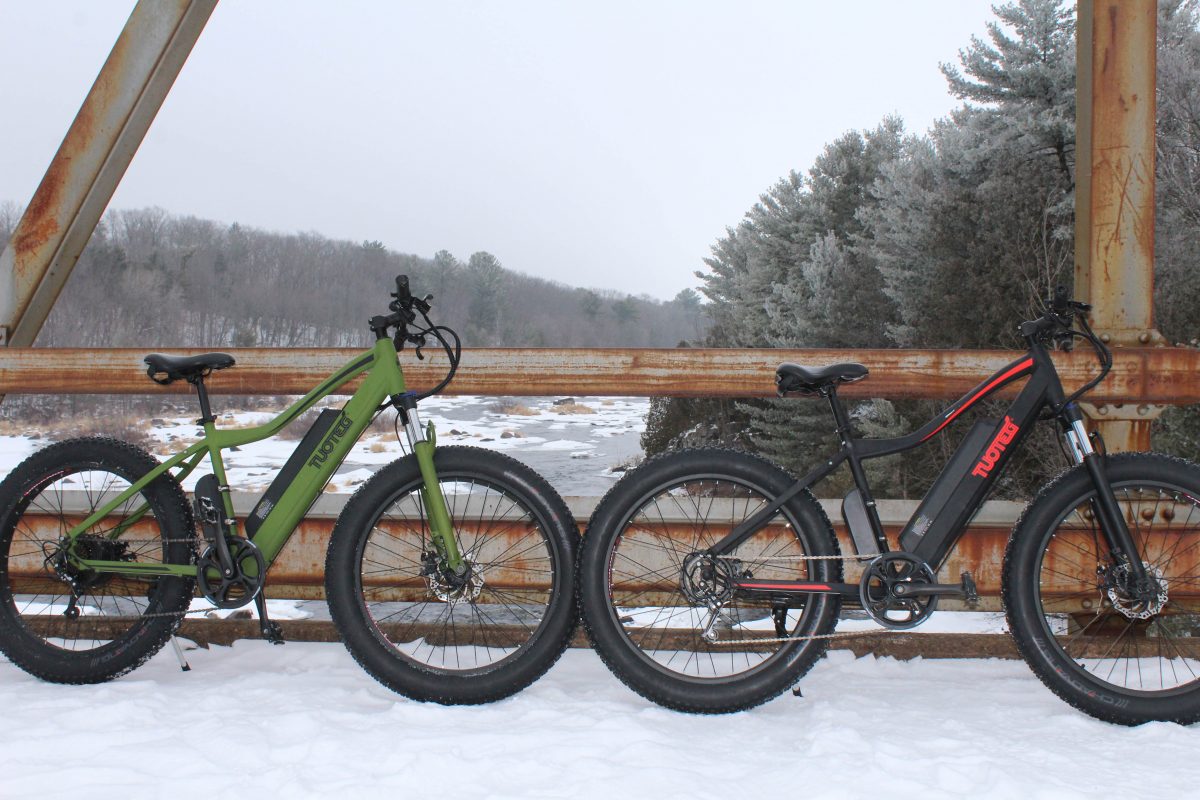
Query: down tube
(936, 537)
(329, 454)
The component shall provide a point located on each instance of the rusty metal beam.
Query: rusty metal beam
(1114, 197)
(1115, 166)
(92, 158)
(298, 573)
(1140, 376)
(901, 645)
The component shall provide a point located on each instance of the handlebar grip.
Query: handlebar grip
(1061, 303)
(402, 291)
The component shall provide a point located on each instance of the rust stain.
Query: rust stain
(40, 224)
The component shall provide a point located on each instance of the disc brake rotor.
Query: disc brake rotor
(1147, 603)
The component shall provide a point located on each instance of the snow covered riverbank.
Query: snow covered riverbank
(574, 445)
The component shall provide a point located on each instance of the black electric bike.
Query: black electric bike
(711, 580)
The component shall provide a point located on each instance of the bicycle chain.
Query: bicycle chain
(157, 614)
(815, 636)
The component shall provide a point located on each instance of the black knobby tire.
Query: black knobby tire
(636, 612)
(431, 641)
(122, 620)
(1120, 656)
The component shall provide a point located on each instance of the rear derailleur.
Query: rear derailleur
(709, 581)
(58, 556)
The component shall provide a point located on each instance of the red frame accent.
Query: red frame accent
(790, 587)
(992, 385)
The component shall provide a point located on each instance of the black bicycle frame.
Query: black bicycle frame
(966, 479)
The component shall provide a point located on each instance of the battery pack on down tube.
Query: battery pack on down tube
(284, 479)
(955, 494)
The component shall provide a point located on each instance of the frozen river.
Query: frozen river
(573, 442)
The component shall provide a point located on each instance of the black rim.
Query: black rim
(648, 604)
(1143, 642)
(469, 625)
(42, 599)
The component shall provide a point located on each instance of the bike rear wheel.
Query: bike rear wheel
(67, 625)
(447, 639)
(1113, 650)
(642, 583)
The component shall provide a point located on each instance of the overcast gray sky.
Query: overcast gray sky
(605, 144)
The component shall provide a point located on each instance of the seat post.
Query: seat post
(206, 415)
(840, 417)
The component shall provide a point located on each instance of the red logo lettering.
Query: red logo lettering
(1007, 432)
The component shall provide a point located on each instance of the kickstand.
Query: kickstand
(270, 630)
(183, 664)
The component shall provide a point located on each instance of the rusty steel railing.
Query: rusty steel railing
(1142, 378)
(298, 574)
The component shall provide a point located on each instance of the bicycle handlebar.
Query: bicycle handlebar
(404, 308)
(1057, 325)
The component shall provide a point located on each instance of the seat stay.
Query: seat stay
(761, 517)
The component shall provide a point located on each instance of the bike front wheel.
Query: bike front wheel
(1118, 651)
(70, 625)
(455, 639)
(661, 613)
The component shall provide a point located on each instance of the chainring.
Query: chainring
(877, 592)
(240, 585)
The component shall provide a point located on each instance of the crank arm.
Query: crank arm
(929, 589)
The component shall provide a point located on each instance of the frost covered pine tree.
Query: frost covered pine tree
(975, 222)
(830, 297)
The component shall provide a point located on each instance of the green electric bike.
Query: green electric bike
(449, 574)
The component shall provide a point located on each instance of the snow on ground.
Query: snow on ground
(302, 720)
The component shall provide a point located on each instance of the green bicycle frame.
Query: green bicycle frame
(384, 380)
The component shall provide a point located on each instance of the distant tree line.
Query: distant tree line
(152, 279)
(943, 240)
(156, 280)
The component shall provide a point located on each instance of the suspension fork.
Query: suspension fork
(423, 442)
(1104, 505)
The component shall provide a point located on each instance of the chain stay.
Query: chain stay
(815, 636)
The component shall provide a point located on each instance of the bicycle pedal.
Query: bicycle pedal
(273, 633)
(970, 591)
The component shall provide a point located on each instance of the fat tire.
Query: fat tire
(623, 656)
(168, 597)
(1032, 539)
(370, 646)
